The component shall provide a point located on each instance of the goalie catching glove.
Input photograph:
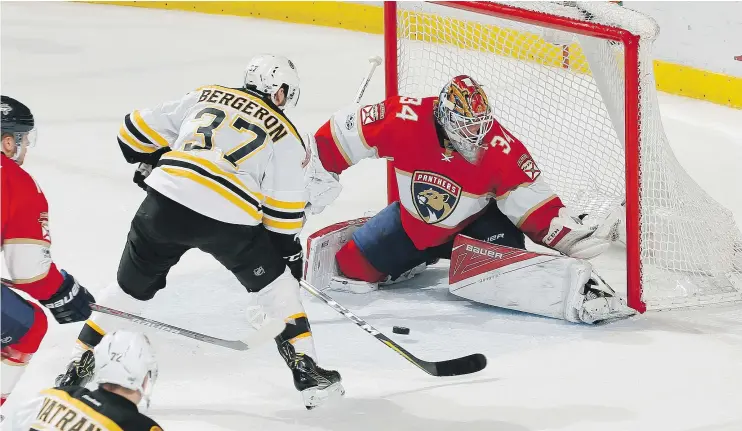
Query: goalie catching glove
(577, 237)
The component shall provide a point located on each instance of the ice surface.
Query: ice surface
(82, 67)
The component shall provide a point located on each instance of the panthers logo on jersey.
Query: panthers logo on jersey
(434, 195)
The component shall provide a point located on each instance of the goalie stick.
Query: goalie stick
(375, 62)
(267, 332)
(452, 367)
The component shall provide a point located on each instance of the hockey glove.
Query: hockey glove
(141, 174)
(295, 263)
(146, 166)
(576, 237)
(71, 303)
(289, 247)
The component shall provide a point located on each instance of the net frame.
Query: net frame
(630, 39)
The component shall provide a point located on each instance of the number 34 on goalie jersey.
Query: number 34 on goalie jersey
(234, 157)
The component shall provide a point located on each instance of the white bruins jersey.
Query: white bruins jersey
(234, 157)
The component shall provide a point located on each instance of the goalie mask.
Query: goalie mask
(465, 115)
(269, 73)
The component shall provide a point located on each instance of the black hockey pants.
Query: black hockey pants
(163, 230)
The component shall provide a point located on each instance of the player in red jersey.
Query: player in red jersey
(25, 246)
(458, 171)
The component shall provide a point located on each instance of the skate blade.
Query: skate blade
(314, 397)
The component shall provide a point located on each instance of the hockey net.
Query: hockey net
(574, 81)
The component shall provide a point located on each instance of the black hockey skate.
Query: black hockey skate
(78, 372)
(315, 384)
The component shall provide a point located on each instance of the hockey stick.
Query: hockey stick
(452, 367)
(267, 332)
(375, 62)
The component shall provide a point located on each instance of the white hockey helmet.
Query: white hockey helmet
(268, 73)
(126, 359)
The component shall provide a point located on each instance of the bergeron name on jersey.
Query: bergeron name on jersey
(273, 125)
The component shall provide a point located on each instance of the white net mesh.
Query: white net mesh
(563, 95)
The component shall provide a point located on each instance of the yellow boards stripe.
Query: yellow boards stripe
(215, 186)
(143, 126)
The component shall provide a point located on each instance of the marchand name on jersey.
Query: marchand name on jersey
(272, 124)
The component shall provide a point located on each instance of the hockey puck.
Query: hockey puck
(401, 330)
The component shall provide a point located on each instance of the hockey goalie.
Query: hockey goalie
(470, 192)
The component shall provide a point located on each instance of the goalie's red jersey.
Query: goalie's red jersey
(25, 233)
(440, 191)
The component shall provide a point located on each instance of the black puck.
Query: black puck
(401, 330)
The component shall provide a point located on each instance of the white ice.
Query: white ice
(82, 67)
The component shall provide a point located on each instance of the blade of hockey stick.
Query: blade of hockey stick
(451, 367)
(267, 332)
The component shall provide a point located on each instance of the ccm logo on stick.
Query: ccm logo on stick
(483, 252)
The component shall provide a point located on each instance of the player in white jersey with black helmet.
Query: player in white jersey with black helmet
(125, 373)
(224, 169)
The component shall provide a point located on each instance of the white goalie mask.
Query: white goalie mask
(465, 114)
(269, 73)
(126, 359)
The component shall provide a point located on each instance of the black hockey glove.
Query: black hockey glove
(141, 174)
(295, 263)
(71, 303)
(290, 249)
(146, 166)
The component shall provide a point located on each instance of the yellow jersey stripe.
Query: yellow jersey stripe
(286, 225)
(133, 143)
(269, 201)
(216, 187)
(214, 169)
(144, 127)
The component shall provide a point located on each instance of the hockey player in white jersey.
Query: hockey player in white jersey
(224, 170)
(126, 372)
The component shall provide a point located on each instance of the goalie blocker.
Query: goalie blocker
(543, 284)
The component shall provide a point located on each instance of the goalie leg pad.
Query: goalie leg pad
(546, 285)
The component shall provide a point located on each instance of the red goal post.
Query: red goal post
(429, 35)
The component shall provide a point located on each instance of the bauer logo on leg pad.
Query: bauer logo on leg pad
(471, 258)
